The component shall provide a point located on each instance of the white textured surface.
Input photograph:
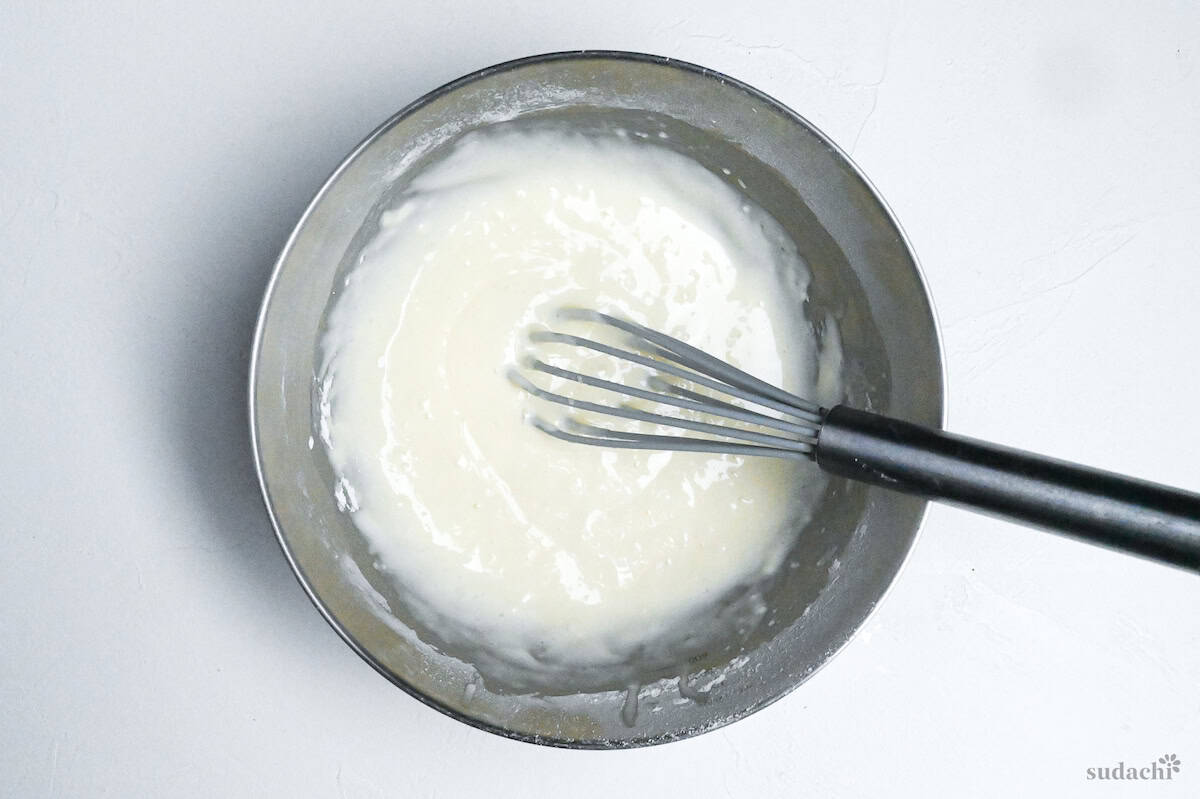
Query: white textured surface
(1043, 158)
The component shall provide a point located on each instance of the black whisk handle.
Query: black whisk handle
(1136, 516)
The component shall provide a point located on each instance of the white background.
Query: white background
(1044, 158)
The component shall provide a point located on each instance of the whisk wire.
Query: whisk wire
(596, 436)
(692, 357)
(671, 368)
(792, 437)
(695, 402)
(798, 444)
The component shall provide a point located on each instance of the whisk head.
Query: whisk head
(716, 407)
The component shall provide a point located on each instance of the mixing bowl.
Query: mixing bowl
(865, 276)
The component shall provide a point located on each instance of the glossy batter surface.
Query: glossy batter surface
(553, 561)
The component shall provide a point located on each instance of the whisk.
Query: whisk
(1100, 507)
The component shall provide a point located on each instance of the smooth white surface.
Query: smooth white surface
(1043, 158)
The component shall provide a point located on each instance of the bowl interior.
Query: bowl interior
(864, 278)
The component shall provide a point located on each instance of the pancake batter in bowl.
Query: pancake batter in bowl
(554, 567)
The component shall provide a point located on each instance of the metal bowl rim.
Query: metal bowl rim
(260, 325)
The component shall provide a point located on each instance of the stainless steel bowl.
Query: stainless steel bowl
(865, 276)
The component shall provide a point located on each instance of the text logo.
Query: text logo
(1165, 768)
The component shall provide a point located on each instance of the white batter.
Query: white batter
(558, 566)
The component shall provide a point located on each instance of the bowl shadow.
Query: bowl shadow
(235, 243)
